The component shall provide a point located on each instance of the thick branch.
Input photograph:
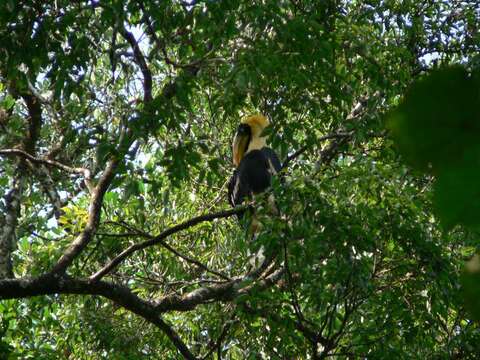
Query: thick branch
(9, 224)
(13, 198)
(224, 292)
(36, 94)
(34, 122)
(93, 219)
(159, 239)
(47, 285)
(121, 295)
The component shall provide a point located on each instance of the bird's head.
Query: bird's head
(248, 136)
(257, 123)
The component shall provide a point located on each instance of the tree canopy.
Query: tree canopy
(116, 237)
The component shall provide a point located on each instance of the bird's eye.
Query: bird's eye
(243, 129)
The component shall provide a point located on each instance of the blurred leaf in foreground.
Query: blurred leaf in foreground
(437, 129)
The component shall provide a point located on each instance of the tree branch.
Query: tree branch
(266, 314)
(94, 212)
(306, 147)
(34, 122)
(9, 222)
(49, 189)
(192, 66)
(218, 343)
(51, 163)
(47, 285)
(159, 239)
(13, 198)
(223, 292)
(192, 261)
(340, 137)
(169, 248)
(50, 284)
(140, 60)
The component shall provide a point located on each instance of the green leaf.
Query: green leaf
(471, 286)
(8, 102)
(438, 120)
(457, 194)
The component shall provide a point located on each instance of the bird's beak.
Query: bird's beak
(240, 143)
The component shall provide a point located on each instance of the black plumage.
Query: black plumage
(255, 162)
(253, 175)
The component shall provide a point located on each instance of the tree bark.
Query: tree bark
(9, 224)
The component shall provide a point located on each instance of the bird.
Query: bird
(255, 163)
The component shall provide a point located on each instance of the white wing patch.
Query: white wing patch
(271, 168)
(235, 189)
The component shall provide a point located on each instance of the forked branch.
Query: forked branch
(159, 239)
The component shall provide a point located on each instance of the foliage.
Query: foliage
(436, 127)
(116, 119)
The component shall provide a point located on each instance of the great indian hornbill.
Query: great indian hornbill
(255, 163)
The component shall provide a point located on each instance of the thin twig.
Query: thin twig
(193, 261)
(151, 31)
(218, 344)
(306, 147)
(52, 163)
(159, 238)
